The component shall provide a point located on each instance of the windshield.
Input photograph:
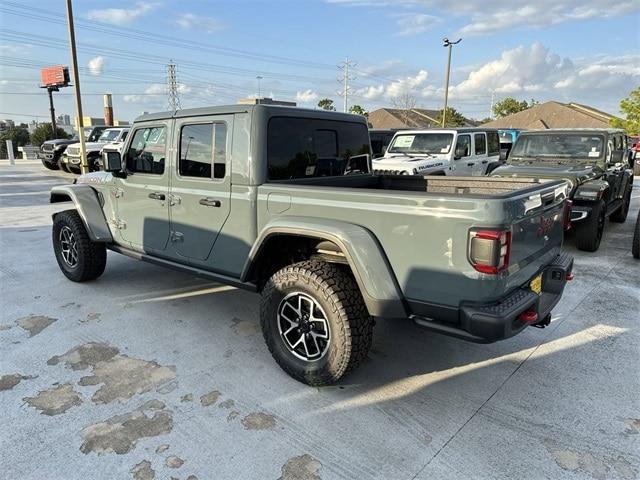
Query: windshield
(559, 146)
(422, 143)
(109, 135)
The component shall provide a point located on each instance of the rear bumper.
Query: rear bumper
(486, 323)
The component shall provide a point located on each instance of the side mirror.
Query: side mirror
(112, 161)
(459, 152)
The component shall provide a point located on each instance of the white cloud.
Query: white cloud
(414, 23)
(96, 65)
(306, 96)
(154, 92)
(119, 16)
(395, 88)
(16, 48)
(496, 15)
(190, 21)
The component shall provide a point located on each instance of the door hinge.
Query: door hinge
(119, 224)
(117, 192)
(174, 200)
(177, 237)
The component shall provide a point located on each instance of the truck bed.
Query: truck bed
(466, 186)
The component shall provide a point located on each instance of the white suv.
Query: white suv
(456, 151)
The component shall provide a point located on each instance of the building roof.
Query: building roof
(397, 118)
(554, 115)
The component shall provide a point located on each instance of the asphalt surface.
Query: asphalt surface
(148, 373)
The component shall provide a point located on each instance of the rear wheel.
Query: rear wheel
(79, 258)
(620, 215)
(589, 232)
(315, 322)
(49, 166)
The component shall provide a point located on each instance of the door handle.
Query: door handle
(210, 202)
(485, 161)
(470, 164)
(157, 196)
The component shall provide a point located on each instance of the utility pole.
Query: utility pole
(493, 97)
(259, 78)
(50, 90)
(172, 87)
(84, 167)
(345, 79)
(450, 45)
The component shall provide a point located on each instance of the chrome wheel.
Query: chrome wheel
(303, 326)
(68, 246)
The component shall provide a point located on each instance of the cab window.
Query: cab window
(147, 151)
(203, 150)
(463, 146)
(480, 143)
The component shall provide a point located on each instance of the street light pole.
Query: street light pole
(84, 167)
(450, 45)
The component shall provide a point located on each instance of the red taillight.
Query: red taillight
(489, 250)
(568, 205)
(569, 277)
(528, 317)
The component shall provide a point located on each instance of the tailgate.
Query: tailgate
(537, 230)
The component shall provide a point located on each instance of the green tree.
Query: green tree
(358, 110)
(43, 132)
(18, 135)
(326, 104)
(454, 118)
(630, 108)
(509, 106)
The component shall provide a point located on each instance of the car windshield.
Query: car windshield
(109, 135)
(422, 143)
(573, 146)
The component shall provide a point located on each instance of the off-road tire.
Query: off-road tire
(49, 166)
(351, 326)
(63, 166)
(620, 215)
(589, 232)
(91, 256)
(635, 249)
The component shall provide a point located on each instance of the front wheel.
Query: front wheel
(79, 258)
(315, 322)
(49, 166)
(589, 232)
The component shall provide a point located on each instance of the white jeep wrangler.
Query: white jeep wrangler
(456, 151)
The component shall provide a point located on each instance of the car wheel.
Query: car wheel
(79, 258)
(315, 322)
(620, 215)
(635, 249)
(589, 232)
(63, 166)
(49, 166)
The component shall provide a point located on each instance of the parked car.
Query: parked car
(72, 159)
(635, 249)
(596, 163)
(380, 140)
(281, 201)
(459, 151)
(51, 151)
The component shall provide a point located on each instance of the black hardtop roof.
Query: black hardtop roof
(231, 109)
(555, 131)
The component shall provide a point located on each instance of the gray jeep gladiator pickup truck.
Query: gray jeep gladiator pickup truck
(596, 162)
(281, 201)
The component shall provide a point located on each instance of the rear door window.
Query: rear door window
(307, 148)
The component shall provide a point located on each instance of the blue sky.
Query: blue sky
(568, 50)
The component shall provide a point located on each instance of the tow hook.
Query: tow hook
(544, 322)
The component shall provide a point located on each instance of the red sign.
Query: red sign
(57, 76)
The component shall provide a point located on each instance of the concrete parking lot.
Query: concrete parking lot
(148, 373)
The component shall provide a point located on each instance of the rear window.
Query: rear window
(307, 148)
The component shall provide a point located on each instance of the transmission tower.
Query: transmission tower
(344, 79)
(172, 87)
